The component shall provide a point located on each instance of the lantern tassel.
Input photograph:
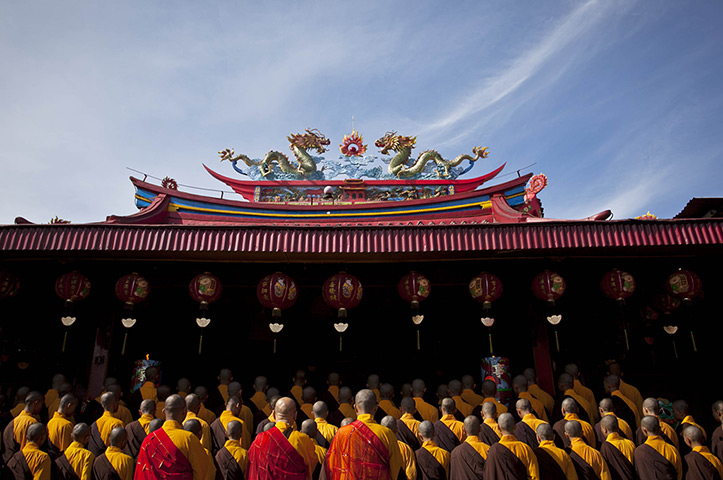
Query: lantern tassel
(627, 342)
(125, 338)
(65, 339)
(557, 341)
(200, 343)
(675, 350)
(419, 345)
(492, 352)
(340, 342)
(274, 345)
(692, 339)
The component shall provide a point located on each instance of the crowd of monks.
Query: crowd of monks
(159, 432)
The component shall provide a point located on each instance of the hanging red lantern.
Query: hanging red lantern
(414, 288)
(131, 289)
(684, 284)
(9, 284)
(617, 285)
(342, 291)
(72, 287)
(205, 288)
(277, 292)
(485, 288)
(548, 286)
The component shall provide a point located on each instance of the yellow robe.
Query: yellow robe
(124, 415)
(191, 448)
(471, 397)
(464, 408)
(412, 424)
(668, 452)
(440, 454)
(302, 444)
(427, 411)
(455, 425)
(561, 457)
(60, 429)
(106, 423)
(15, 411)
(160, 405)
(239, 453)
(592, 457)
(326, 429)
(259, 400)
(223, 390)
(587, 394)
(81, 460)
(524, 453)
(711, 458)
(205, 429)
(587, 431)
(227, 416)
(481, 447)
(20, 427)
(390, 408)
(582, 403)
(537, 406)
(547, 400)
(145, 421)
(625, 446)
(347, 410)
(409, 461)
(121, 463)
(38, 461)
(206, 414)
(149, 391)
(298, 392)
(633, 394)
(500, 408)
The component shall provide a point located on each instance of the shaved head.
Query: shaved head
(109, 401)
(347, 421)
(273, 392)
(681, 406)
(650, 406)
(523, 405)
(418, 387)
(531, 375)
(520, 383)
(572, 369)
(235, 430)
(155, 424)
(175, 408)
(308, 427)
(115, 388)
(609, 423)
(573, 429)
(611, 383)
(193, 403)
(606, 405)
(426, 430)
(108, 382)
(67, 405)
(442, 391)
(193, 426)
(34, 402)
(285, 410)
(455, 387)
(373, 381)
(386, 391)
(152, 374)
(300, 378)
(390, 422)
(202, 392)
(489, 389)
(472, 425)
(234, 388)
(569, 405)
(468, 381)
(717, 409)
(365, 401)
(333, 379)
(651, 424)
(407, 405)
(448, 406)
(545, 432)
(183, 385)
(565, 382)
(345, 395)
(273, 400)
(309, 395)
(694, 435)
(506, 423)
(261, 384)
(81, 433)
(225, 376)
(58, 380)
(406, 390)
(148, 407)
(489, 410)
(37, 433)
(163, 392)
(118, 437)
(615, 369)
(233, 405)
(320, 409)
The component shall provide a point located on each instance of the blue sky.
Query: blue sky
(619, 103)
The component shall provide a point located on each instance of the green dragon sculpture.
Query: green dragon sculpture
(404, 145)
(299, 144)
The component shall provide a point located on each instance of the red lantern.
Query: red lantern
(617, 285)
(684, 284)
(342, 291)
(277, 292)
(72, 287)
(548, 286)
(205, 289)
(485, 288)
(414, 288)
(132, 289)
(9, 284)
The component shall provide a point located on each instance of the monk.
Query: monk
(588, 462)
(64, 389)
(162, 393)
(554, 462)
(628, 390)
(454, 390)
(565, 384)
(155, 424)
(326, 429)
(218, 396)
(667, 433)
(442, 393)
(259, 400)
(409, 462)
(172, 452)
(345, 408)
(281, 452)
(520, 387)
(308, 397)
(114, 464)
(526, 429)
(53, 392)
(347, 421)
(538, 392)
(218, 427)
(270, 419)
(489, 392)
(489, 429)
(297, 390)
(386, 404)
(450, 431)
(308, 428)
(183, 387)
(681, 413)
(510, 459)
(364, 449)
(194, 426)
(702, 465)
(574, 371)
(407, 425)
(468, 393)
(205, 413)
(406, 390)
(624, 407)
(148, 389)
(234, 390)
(76, 462)
(617, 450)
(716, 439)
(331, 395)
(426, 411)
(101, 428)
(232, 458)
(122, 413)
(60, 427)
(19, 403)
(570, 411)
(31, 462)
(193, 405)
(607, 407)
(467, 461)
(656, 459)
(373, 383)
(15, 433)
(432, 461)
(139, 429)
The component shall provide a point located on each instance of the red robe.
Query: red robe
(272, 457)
(357, 453)
(160, 458)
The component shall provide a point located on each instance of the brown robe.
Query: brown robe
(699, 468)
(716, 443)
(228, 467)
(404, 434)
(103, 470)
(623, 411)
(487, 434)
(651, 465)
(502, 464)
(96, 445)
(218, 436)
(557, 411)
(428, 468)
(602, 438)
(18, 467)
(549, 468)
(65, 471)
(444, 437)
(583, 469)
(561, 441)
(466, 463)
(10, 446)
(620, 467)
(136, 435)
(640, 438)
(524, 433)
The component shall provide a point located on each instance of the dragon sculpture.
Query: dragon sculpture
(404, 145)
(299, 144)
